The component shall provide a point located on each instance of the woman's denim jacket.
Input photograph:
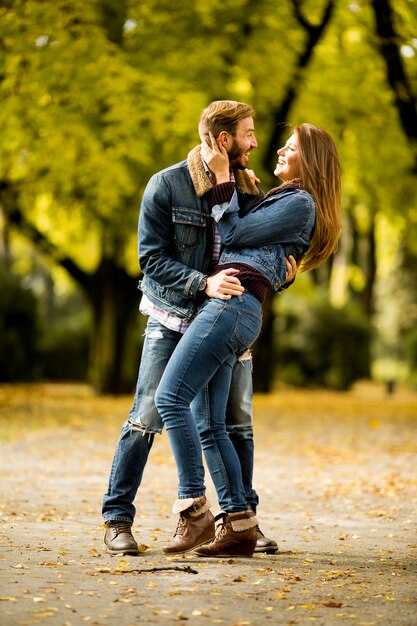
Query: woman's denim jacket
(175, 239)
(280, 225)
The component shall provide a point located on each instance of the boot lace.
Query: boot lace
(221, 529)
(120, 527)
(180, 526)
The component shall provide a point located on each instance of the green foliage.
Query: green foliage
(97, 95)
(64, 354)
(320, 345)
(18, 330)
(65, 339)
(410, 341)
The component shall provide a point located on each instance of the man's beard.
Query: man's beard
(234, 155)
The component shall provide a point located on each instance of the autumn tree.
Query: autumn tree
(74, 113)
(96, 96)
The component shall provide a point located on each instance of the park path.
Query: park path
(338, 484)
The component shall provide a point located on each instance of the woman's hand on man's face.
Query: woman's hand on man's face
(217, 160)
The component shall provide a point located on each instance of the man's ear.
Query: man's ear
(223, 139)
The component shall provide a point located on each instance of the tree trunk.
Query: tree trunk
(280, 115)
(113, 296)
(363, 255)
(404, 98)
(264, 357)
(114, 349)
(370, 271)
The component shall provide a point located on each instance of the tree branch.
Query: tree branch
(404, 98)
(9, 201)
(281, 112)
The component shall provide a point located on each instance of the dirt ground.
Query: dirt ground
(337, 478)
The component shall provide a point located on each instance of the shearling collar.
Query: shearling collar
(201, 182)
(295, 183)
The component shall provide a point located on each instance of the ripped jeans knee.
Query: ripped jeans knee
(158, 346)
(135, 426)
(150, 422)
(246, 358)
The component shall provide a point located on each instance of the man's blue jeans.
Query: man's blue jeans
(137, 434)
(202, 363)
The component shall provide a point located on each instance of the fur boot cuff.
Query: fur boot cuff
(195, 506)
(240, 522)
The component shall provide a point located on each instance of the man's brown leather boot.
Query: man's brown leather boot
(119, 538)
(265, 544)
(235, 536)
(195, 525)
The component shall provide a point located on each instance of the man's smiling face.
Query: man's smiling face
(242, 143)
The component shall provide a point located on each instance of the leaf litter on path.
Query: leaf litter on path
(336, 477)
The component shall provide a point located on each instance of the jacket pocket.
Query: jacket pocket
(189, 226)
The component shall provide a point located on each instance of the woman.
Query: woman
(300, 218)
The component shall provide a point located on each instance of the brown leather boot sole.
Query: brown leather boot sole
(131, 552)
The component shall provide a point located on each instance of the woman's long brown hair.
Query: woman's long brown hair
(319, 170)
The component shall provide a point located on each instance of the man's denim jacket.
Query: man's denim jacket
(280, 225)
(175, 235)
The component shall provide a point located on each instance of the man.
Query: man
(178, 244)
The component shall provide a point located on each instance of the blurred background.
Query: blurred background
(97, 95)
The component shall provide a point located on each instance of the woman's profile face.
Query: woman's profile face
(288, 160)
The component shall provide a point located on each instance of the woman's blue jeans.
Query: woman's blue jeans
(205, 356)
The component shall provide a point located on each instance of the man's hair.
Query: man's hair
(222, 115)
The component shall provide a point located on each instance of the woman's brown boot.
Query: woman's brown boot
(195, 525)
(235, 536)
